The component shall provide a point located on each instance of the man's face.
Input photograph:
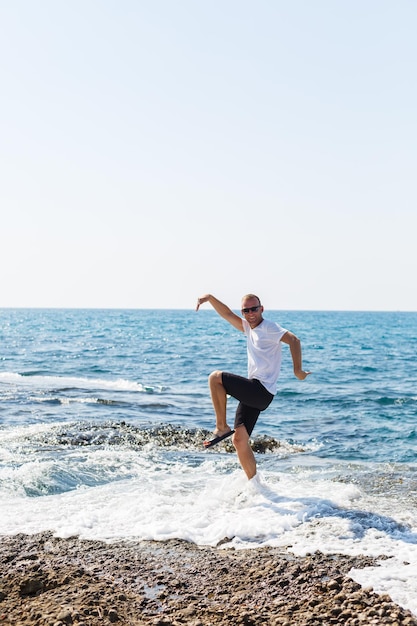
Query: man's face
(252, 311)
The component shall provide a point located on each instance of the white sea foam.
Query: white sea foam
(46, 382)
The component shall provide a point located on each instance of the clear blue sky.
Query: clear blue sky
(153, 151)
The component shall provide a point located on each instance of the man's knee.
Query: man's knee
(240, 437)
(216, 377)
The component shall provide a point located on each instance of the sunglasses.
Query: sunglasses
(252, 309)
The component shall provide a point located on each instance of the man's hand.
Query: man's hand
(301, 374)
(202, 300)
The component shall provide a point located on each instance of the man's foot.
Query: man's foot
(218, 436)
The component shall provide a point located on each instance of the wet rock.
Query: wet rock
(175, 583)
(113, 616)
(65, 616)
(31, 586)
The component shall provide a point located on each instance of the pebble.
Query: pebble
(113, 616)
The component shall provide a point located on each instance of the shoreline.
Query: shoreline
(46, 580)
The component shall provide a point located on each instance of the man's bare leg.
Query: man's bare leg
(244, 451)
(219, 400)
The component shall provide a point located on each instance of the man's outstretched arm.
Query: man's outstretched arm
(222, 309)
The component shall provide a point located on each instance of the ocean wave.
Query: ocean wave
(387, 400)
(66, 383)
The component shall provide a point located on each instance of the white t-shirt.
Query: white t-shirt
(264, 352)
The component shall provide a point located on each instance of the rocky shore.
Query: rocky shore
(49, 581)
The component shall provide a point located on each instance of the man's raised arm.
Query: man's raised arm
(222, 309)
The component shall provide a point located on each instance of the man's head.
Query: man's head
(252, 309)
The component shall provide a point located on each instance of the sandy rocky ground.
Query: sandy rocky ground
(49, 581)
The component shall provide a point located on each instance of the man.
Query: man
(256, 392)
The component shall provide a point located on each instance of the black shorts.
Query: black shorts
(252, 395)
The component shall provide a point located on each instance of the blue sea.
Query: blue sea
(103, 414)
